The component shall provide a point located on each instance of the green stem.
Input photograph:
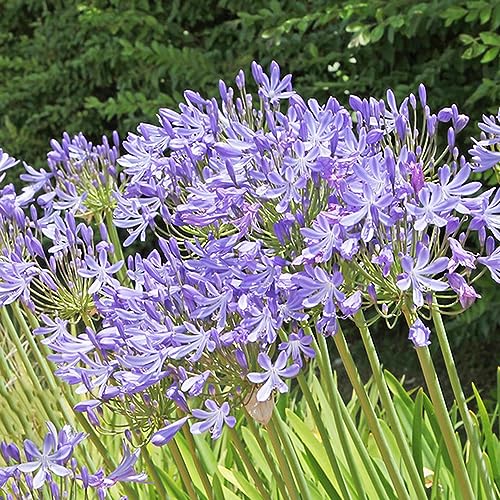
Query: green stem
(292, 456)
(373, 474)
(181, 467)
(199, 466)
(151, 468)
(371, 417)
(461, 401)
(20, 415)
(283, 463)
(327, 376)
(275, 473)
(240, 447)
(325, 438)
(388, 404)
(117, 246)
(444, 422)
(41, 360)
(7, 322)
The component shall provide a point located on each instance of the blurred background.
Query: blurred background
(96, 66)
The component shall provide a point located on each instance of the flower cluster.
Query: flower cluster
(52, 469)
(268, 216)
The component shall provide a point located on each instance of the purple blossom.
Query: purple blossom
(466, 293)
(460, 257)
(165, 434)
(273, 88)
(46, 461)
(6, 161)
(419, 334)
(483, 153)
(323, 238)
(213, 419)
(417, 274)
(124, 472)
(492, 262)
(433, 208)
(298, 345)
(101, 270)
(271, 378)
(195, 341)
(315, 286)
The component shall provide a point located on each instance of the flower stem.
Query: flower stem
(343, 417)
(461, 401)
(117, 247)
(325, 438)
(371, 417)
(153, 474)
(181, 467)
(275, 473)
(7, 398)
(388, 404)
(13, 334)
(199, 466)
(444, 422)
(284, 465)
(240, 447)
(292, 456)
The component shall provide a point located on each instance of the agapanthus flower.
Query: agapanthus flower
(486, 152)
(55, 460)
(213, 419)
(417, 274)
(298, 346)
(100, 270)
(492, 263)
(419, 334)
(271, 378)
(268, 215)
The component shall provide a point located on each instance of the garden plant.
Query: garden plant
(174, 308)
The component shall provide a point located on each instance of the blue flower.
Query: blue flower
(298, 345)
(417, 274)
(48, 460)
(167, 433)
(101, 270)
(271, 378)
(124, 472)
(492, 262)
(213, 419)
(419, 334)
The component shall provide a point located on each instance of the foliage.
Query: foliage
(96, 66)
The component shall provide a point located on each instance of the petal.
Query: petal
(59, 470)
(163, 436)
(258, 378)
(39, 479)
(289, 372)
(29, 466)
(264, 361)
(265, 391)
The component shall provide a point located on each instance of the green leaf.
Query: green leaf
(490, 38)
(377, 33)
(452, 14)
(473, 51)
(490, 55)
(255, 453)
(310, 441)
(490, 438)
(466, 39)
(170, 484)
(238, 481)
